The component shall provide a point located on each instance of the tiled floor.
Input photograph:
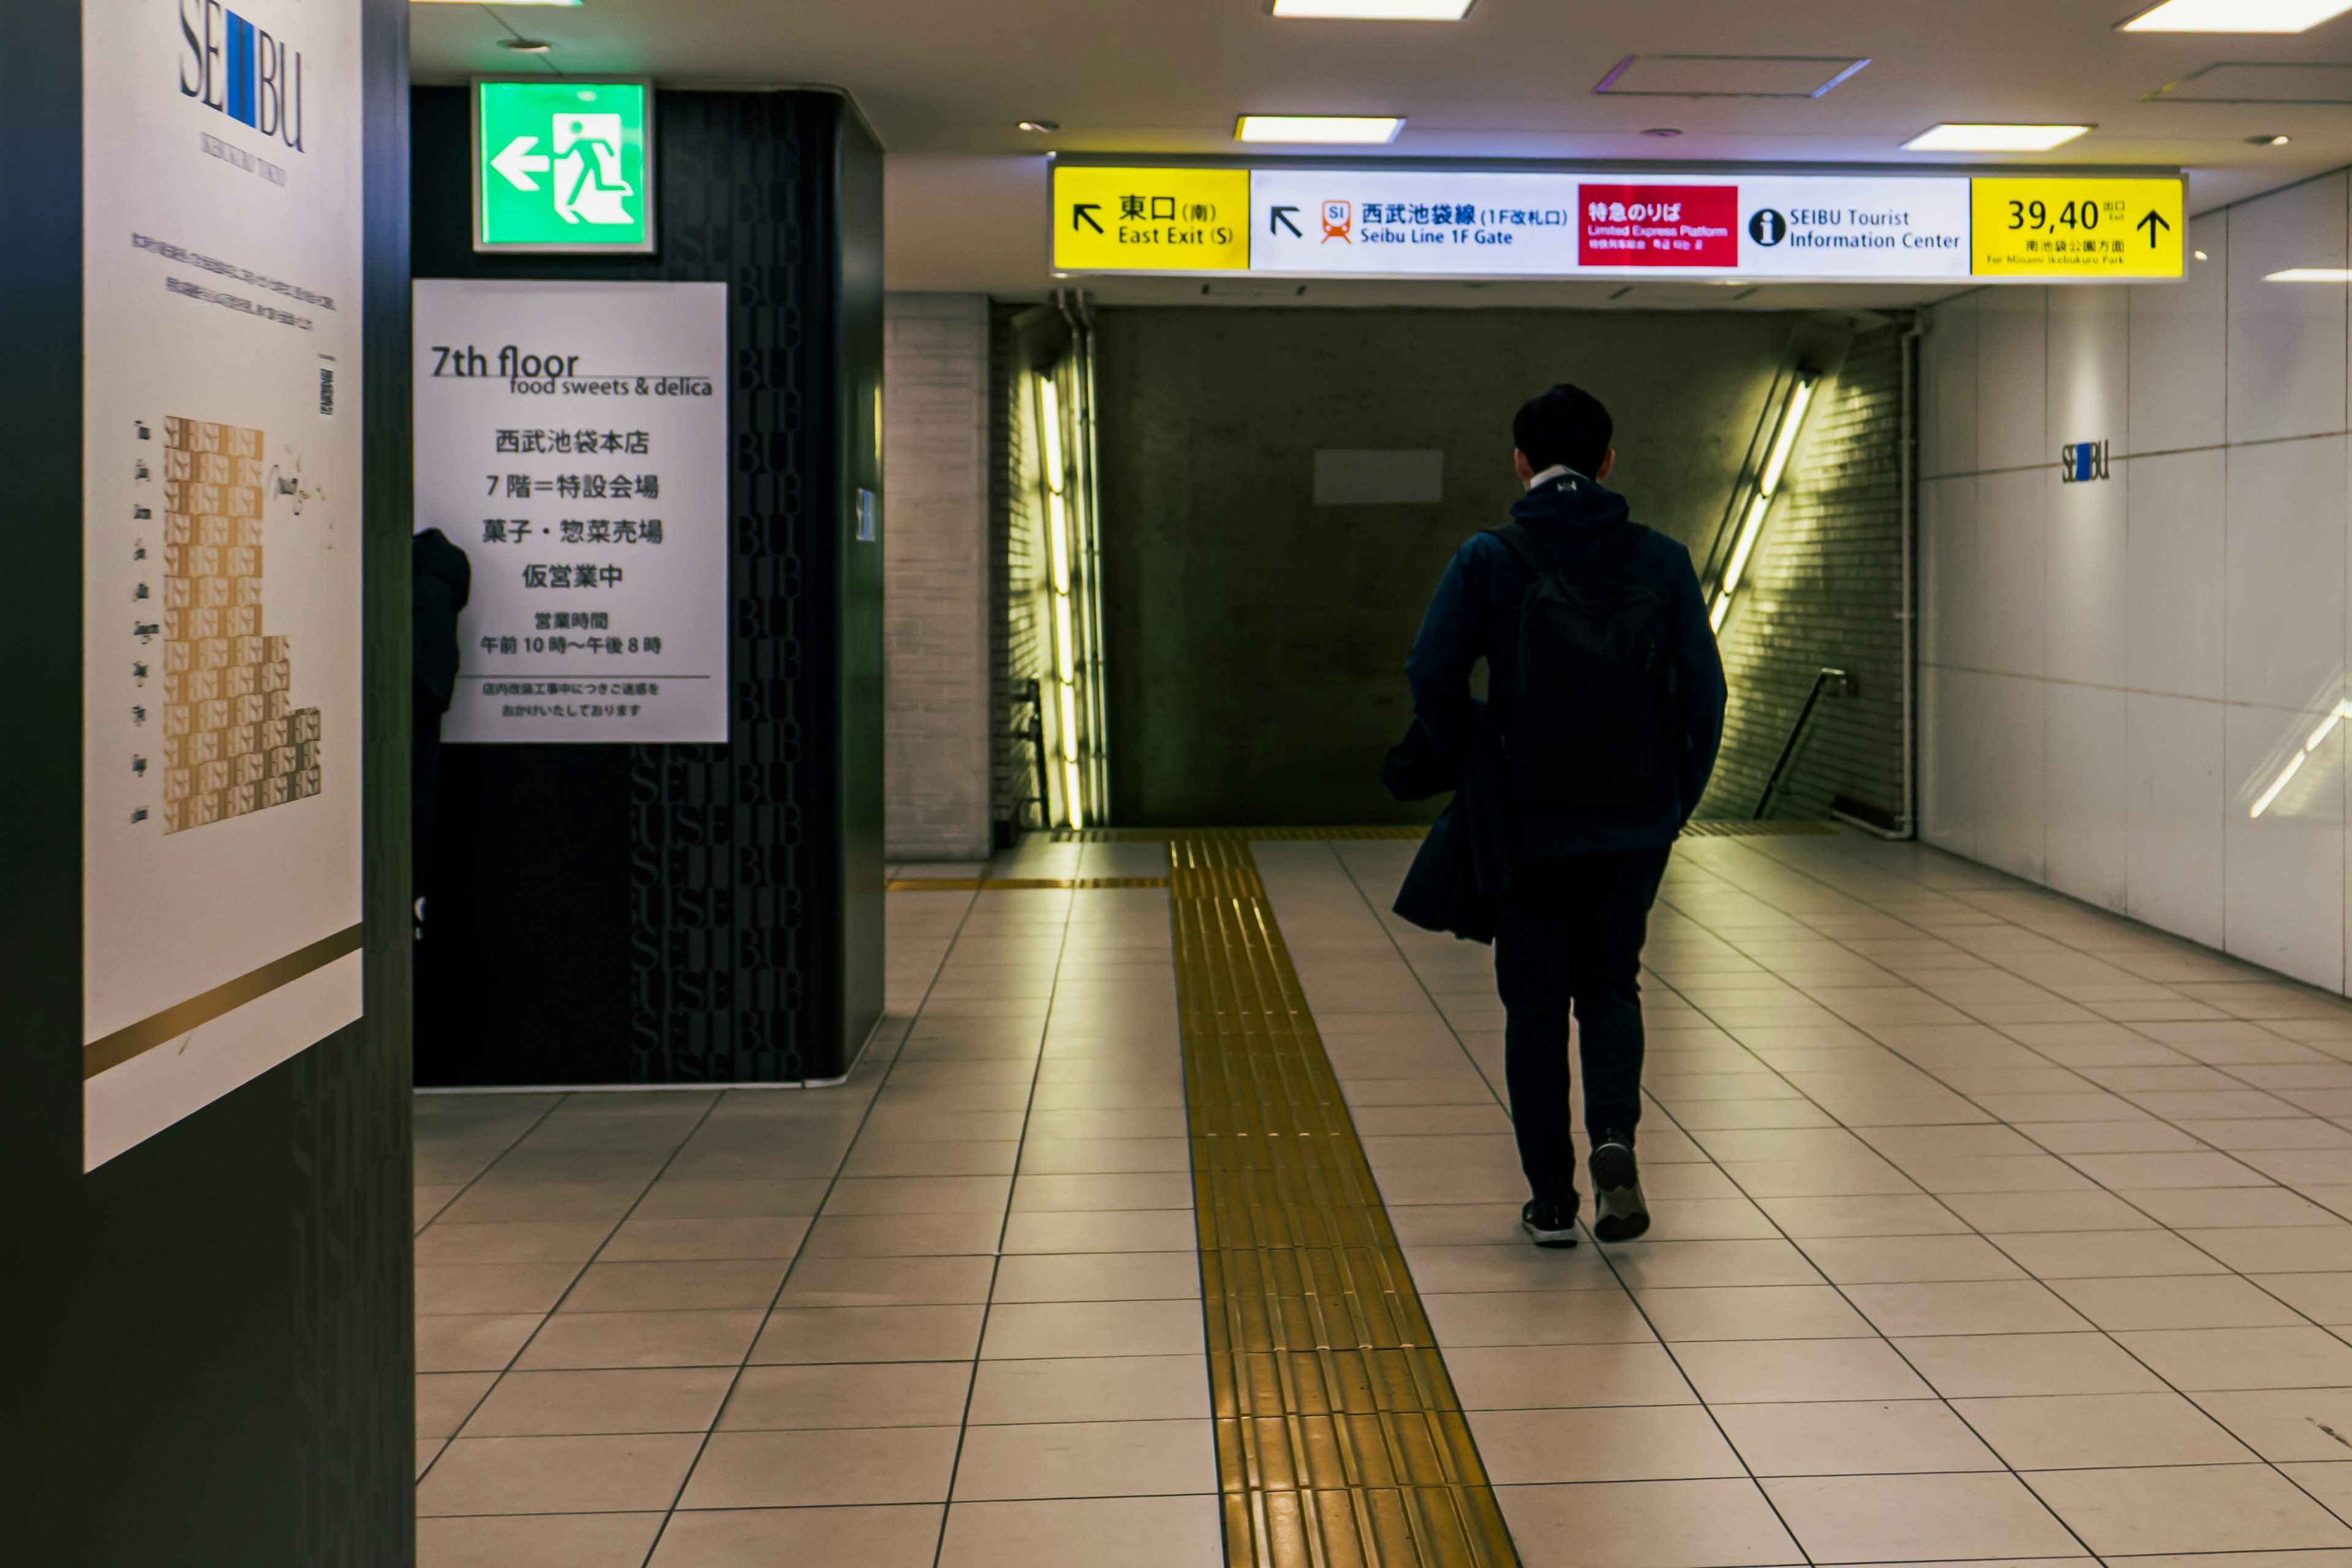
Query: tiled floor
(1988, 1226)
(1990, 1229)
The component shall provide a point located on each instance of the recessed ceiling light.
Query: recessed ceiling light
(2236, 15)
(1662, 130)
(1952, 137)
(1039, 125)
(2271, 141)
(2310, 275)
(1318, 128)
(526, 45)
(1374, 10)
(2200, 256)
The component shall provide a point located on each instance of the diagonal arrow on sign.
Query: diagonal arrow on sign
(1086, 211)
(519, 163)
(2152, 222)
(1282, 215)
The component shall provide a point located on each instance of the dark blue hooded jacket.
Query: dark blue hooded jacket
(1476, 616)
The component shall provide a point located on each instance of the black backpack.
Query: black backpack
(1589, 715)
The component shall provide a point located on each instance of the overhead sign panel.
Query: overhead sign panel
(2074, 227)
(1374, 222)
(1150, 220)
(561, 165)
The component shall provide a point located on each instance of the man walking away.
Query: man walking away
(1606, 693)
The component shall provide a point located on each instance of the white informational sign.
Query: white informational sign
(572, 440)
(221, 268)
(1381, 223)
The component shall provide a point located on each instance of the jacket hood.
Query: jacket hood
(431, 554)
(1569, 507)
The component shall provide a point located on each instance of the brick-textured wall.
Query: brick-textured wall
(1826, 589)
(935, 453)
(1017, 638)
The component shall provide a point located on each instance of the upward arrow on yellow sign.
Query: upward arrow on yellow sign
(2072, 226)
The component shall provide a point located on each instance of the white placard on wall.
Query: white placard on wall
(221, 268)
(571, 440)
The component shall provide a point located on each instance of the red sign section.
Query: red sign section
(1658, 226)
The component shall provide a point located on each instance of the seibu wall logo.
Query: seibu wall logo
(1657, 225)
(248, 74)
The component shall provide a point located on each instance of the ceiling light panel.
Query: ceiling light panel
(1374, 10)
(1320, 128)
(2237, 15)
(1956, 138)
(2310, 275)
(1728, 76)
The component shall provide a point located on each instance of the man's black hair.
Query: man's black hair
(1566, 424)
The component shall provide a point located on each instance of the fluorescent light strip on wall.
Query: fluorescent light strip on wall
(2341, 711)
(1057, 550)
(1751, 524)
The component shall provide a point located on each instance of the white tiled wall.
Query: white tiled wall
(935, 576)
(2113, 673)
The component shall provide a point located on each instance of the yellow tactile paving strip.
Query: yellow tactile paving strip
(1340, 1441)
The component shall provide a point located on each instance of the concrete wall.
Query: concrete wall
(1256, 641)
(935, 453)
(2115, 672)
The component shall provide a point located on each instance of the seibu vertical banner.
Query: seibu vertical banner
(221, 590)
(571, 440)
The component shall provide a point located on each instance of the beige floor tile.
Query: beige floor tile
(2194, 1208)
(1646, 1524)
(884, 1157)
(842, 1467)
(575, 1339)
(906, 1235)
(869, 1333)
(472, 1343)
(1090, 1388)
(536, 1540)
(1904, 1519)
(522, 1241)
(557, 1475)
(2280, 1249)
(582, 1201)
(2310, 1424)
(1841, 1438)
(1083, 1532)
(2094, 1431)
(2220, 1508)
(443, 1400)
(1125, 1230)
(741, 1198)
(739, 1285)
(1635, 1443)
(1748, 1371)
(1963, 1367)
(2090, 1255)
(1149, 1190)
(1534, 1318)
(1969, 1307)
(2329, 1480)
(2196, 1360)
(569, 1403)
(1752, 1311)
(427, 1450)
(1994, 1213)
(870, 1393)
(1523, 1377)
(1807, 1218)
(2323, 1298)
(1097, 1277)
(887, 1281)
(918, 1196)
(1454, 1271)
(2195, 1301)
(658, 1241)
(1668, 1265)
(1108, 1458)
(1054, 1330)
(1908, 1259)
(1707, 1219)
(905, 1536)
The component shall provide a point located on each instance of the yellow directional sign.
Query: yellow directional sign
(1150, 220)
(2071, 227)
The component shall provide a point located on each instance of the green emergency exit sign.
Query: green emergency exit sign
(561, 165)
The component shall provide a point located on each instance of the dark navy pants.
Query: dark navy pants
(1569, 934)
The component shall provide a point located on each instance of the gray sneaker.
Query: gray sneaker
(1618, 1211)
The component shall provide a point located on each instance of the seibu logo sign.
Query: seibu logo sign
(1658, 226)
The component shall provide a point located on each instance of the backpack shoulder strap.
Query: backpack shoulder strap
(1531, 551)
